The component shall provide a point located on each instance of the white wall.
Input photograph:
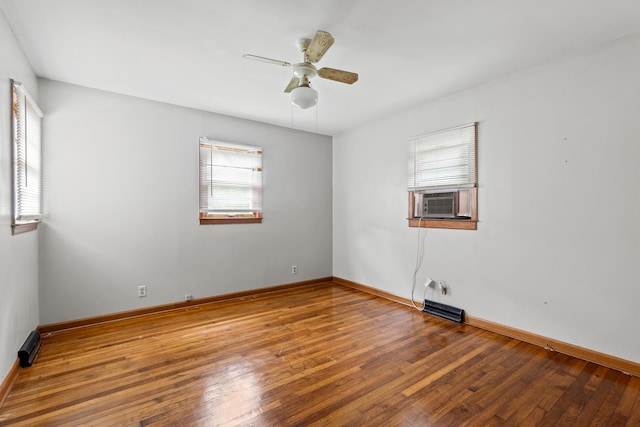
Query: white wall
(558, 243)
(121, 206)
(18, 254)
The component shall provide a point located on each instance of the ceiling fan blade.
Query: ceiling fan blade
(338, 75)
(267, 60)
(319, 46)
(294, 83)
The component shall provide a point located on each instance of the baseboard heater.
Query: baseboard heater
(443, 310)
(29, 350)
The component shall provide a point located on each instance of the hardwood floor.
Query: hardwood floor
(318, 355)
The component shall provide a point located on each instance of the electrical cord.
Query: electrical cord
(419, 257)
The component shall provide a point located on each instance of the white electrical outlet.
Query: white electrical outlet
(294, 269)
(188, 297)
(142, 291)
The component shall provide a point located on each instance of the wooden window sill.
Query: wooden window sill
(455, 224)
(23, 228)
(230, 220)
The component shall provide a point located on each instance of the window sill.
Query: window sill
(455, 224)
(210, 221)
(213, 218)
(24, 227)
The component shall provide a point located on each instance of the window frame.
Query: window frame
(449, 223)
(20, 144)
(209, 218)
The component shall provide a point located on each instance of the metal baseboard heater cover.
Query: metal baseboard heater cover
(444, 310)
(29, 350)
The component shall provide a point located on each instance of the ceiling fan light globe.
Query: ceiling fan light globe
(304, 97)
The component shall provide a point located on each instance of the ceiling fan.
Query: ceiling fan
(302, 94)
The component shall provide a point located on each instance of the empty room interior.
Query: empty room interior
(319, 212)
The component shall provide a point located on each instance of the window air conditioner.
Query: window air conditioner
(451, 204)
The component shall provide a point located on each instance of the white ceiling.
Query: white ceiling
(407, 52)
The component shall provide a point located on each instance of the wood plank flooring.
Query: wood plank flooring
(321, 355)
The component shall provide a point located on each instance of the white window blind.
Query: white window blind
(230, 178)
(27, 156)
(443, 160)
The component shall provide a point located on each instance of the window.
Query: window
(230, 183)
(27, 160)
(442, 179)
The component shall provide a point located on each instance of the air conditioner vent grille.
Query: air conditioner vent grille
(439, 204)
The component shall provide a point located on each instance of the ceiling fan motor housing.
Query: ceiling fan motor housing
(305, 69)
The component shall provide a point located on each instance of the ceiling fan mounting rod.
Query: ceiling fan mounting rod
(302, 44)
